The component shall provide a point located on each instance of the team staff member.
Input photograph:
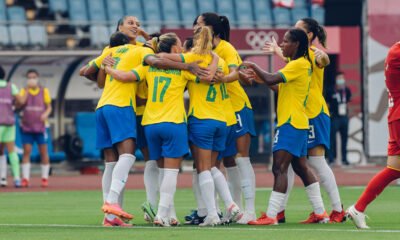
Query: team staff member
(36, 103)
(392, 171)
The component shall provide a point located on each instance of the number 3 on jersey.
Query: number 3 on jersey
(157, 81)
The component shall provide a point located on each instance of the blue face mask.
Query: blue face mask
(340, 82)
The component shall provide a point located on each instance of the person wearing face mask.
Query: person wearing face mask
(339, 99)
(36, 102)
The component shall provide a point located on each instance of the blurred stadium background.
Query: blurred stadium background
(58, 36)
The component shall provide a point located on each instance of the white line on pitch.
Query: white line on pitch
(272, 228)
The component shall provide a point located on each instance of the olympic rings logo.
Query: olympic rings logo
(257, 39)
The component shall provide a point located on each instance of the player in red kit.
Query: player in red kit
(392, 171)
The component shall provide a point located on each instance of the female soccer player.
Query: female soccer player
(319, 120)
(392, 171)
(290, 144)
(36, 103)
(242, 177)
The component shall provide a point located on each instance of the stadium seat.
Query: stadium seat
(206, 6)
(115, 10)
(188, 12)
(134, 8)
(97, 11)
(262, 13)
(301, 3)
(318, 13)
(58, 6)
(99, 36)
(153, 13)
(171, 13)
(299, 13)
(16, 14)
(86, 129)
(282, 17)
(54, 156)
(226, 8)
(37, 35)
(3, 13)
(19, 35)
(4, 36)
(244, 13)
(78, 12)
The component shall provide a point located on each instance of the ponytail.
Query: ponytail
(202, 41)
(164, 43)
(317, 30)
(224, 35)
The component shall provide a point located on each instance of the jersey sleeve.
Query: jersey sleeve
(291, 71)
(145, 53)
(189, 76)
(46, 95)
(232, 58)
(140, 72)
(97, 61)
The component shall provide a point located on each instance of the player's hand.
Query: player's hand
(108, 61)
(318, 53)
(246, 65)
(201, 72)
(271, 47)
(247, 76)
(219, 77)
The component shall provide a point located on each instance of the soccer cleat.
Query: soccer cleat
(264, 220)
(161, 222)
(211, 221)
(3, 182)
(189, 217)
(174, 222)
(25, 183)
(247, 217)
(116, 210)
(281, 217)
(45, 183)
(116, 222)
(357, 217)
(147, 218)
(17, 183)
(316, 218)
(337, 217)
(195, 220)
(233, 213)
(149, 212)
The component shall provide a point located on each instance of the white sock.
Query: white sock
(248, 182)
(290, 178)
(233, 179)
(107, 177)
(222, 187)
(160, 176)
(207, 192)
(275, 202)
(45, 170)
(167, 191)
(151, 182)
(172, 211)
(3, 167)
(120, 176)
(26, 170)
(314, 196)
(327, 180)
(201, 206)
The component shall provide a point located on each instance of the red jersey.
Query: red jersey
(392, 75)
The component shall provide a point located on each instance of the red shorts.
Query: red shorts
(394, 138)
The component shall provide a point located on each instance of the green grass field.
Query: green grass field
(77, 215)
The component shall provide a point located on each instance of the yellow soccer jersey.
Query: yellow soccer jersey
(238, 96)
(165, 94)
(293, 93)
(228, 109)
(316, 102)
(141, 92)
(117, 93)
(205, 99)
